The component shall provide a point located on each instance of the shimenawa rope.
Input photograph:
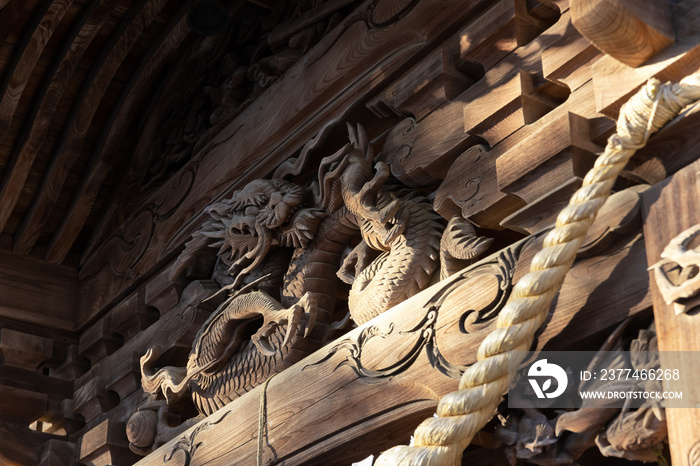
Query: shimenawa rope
(461, 414)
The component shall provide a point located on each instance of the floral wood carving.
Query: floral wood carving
(529, 437)
(676, 273)
(633, 434)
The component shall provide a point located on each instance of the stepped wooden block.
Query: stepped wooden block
(162, 293)
(62, 420)
(18, 349)
(489, 38)
(57, 453)
(106, 444)
(130, 371)
(486, 186)
(631, 31)
(131, 316)
(514, 93)
(615, 82)
(73, 366)
(20, 405)
(98, 341)
(422, 153)
(503, 27)
(429, 85)
(569, 60)
(541, 163)
(93, 398)
(26, 395)
(120, 372)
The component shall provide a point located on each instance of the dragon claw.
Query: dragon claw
(291, 318)
(263, 345)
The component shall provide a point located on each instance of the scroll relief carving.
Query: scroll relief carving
(424, 335)
(676, 273)
(282, 251)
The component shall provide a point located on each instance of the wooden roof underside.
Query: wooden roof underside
(76, 79)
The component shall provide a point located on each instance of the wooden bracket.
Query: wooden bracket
(93, 398)
(105, 444)
(631, 31)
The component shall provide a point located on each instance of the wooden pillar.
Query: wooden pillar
(670, 208)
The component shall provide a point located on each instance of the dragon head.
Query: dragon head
(252, 221)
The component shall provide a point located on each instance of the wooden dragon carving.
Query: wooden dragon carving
(280, 246)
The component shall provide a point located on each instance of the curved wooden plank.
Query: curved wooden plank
(18, 76)
(86, 30)
(10, 13)
(94, 89)
(112, 136)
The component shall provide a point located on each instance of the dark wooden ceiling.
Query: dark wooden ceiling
(77, 81)
(66, 70)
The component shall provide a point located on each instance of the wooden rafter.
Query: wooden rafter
(86, 30)
(34, 41)
(10, 11)
(106, 152)
(72, 141)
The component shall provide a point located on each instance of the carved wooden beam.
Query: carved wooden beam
(13, 183)
(389, 370)
(675, 205)
(429, 85)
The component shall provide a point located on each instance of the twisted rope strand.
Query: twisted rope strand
(461, 414)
